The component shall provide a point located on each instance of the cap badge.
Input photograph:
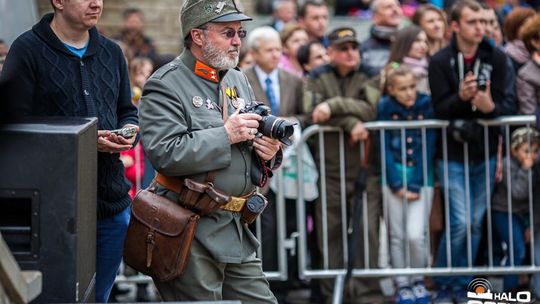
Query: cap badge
(197, 101)
(208, 8)
(345, 33)
(219, 7)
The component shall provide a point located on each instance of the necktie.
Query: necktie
(271, 96)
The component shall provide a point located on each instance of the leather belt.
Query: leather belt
(175, 184)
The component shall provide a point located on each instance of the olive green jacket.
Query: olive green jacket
(183, 134)
(350, 100)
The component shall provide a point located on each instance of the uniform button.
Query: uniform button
(410, 163)
(82, 63)
(409, 139)
(420, 117)
(209, 126)
(86, 92)
(409, 151)
(247, 174)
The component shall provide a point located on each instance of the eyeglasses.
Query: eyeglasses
(229, 33)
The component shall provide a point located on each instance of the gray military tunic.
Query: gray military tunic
(183, 135)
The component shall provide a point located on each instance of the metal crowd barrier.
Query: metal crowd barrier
(382, 126)
(297, 242)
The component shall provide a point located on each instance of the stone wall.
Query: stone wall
(162, 19)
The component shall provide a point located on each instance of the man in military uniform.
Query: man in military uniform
(191, 128)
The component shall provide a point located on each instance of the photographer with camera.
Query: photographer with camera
(200, 130)
(467, 81)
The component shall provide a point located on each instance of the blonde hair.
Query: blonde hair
(391, 71)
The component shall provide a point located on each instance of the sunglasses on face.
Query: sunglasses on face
(230, 33)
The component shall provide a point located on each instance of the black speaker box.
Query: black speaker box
(48, 201)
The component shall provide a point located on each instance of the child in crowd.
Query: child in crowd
(140, 70)
(522, 158)
(407, 193)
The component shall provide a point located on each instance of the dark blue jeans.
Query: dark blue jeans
(458, 217)
(501, 233)
(111, 233)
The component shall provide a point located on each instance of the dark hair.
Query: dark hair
(423, 9)
(458, 7)
(515, 20)
(304, 52)
(2, 41)
(303, 8)
(531, 31)
(131, 11)
(402, 42)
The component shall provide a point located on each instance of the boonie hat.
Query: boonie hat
(195, 13)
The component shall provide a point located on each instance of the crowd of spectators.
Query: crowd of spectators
(471, 61)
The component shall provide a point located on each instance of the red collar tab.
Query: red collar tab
(206, 72)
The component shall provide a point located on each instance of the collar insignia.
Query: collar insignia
(206, 72)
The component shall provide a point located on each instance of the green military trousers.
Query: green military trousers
(205, 279)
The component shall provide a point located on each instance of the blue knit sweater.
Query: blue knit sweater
(41, 77)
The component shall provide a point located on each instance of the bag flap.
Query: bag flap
(161, 214)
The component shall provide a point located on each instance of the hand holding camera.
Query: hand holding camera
(468, 87)
(114, 141)
(482, 100)
(242, 126)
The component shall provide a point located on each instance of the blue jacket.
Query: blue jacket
(390, 109)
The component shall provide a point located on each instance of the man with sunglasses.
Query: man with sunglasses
(337, 94)
(191, 127)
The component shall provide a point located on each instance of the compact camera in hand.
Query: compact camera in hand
(270, 125)
(128, 132)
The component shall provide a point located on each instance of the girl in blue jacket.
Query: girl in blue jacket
(408, 189)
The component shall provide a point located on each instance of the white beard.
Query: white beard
(217, 58)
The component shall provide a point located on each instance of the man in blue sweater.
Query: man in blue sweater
(64, 67)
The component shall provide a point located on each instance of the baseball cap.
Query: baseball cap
(342, 35)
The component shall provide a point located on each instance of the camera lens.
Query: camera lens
(277, 128)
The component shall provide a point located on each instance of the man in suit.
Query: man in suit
(282, 92)
(277, 88)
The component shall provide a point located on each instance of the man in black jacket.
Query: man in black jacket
(467, 80)
(64, 67)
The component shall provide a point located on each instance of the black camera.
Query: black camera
(270, 125)
(481, 82)
(484, 74)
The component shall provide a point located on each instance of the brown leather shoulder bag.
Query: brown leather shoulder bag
(159, 236)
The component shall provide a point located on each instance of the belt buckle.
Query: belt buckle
(236, 204)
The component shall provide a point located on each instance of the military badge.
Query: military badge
(209, 104)
(197, 101)
(241, 103)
